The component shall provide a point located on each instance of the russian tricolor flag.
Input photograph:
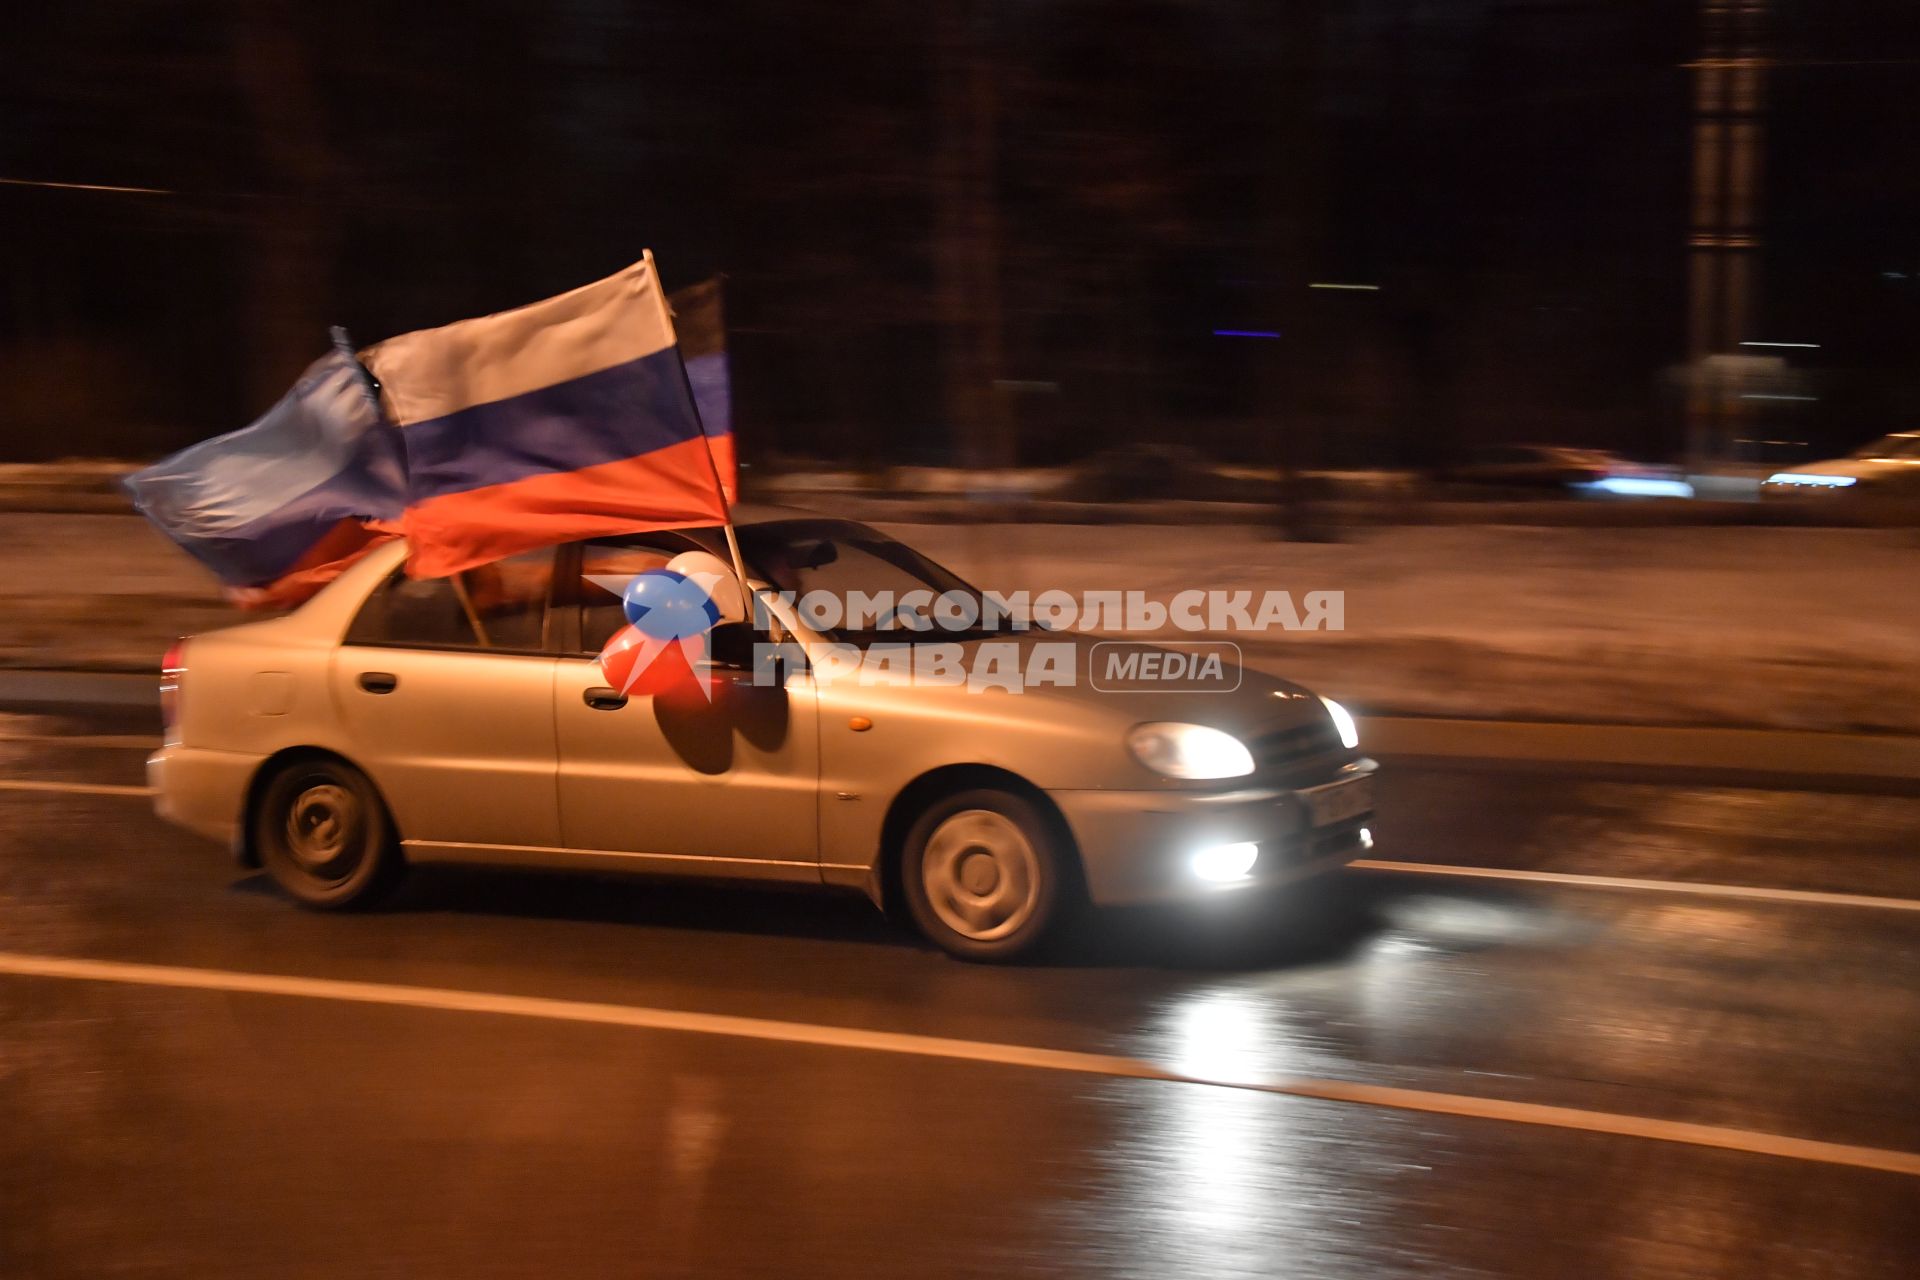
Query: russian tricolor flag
(570, 418)
(281, 506)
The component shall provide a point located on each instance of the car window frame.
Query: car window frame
(844, 529)
(548, 619)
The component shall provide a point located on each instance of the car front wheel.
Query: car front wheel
(323, 834)
(983, 875)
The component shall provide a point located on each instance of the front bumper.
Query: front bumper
(1137, 846)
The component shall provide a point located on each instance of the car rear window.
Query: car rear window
(502, 606)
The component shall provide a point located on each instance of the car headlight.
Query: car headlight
(1343, 721)
(1191, 751)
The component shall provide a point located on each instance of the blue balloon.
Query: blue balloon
(668, 605)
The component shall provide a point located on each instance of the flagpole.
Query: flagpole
(726, 506)
(719, 486)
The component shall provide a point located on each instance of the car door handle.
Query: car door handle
(379, 681)
(601, 698)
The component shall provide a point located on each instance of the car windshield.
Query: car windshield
(870, 587)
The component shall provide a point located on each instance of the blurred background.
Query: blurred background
(1534, 328)
(989, 233)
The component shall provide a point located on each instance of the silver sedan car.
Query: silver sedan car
(394, 721)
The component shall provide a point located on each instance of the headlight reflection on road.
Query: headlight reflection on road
(1228, 1036)
(1211, 1182)
(1463, 921)
(1403, 978)
(1224, 1145)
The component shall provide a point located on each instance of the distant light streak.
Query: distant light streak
(1246, 333)
(1811, 346)
(1728, 64)
(1761, 395)
(1642, 487)
(86, 186)
(1363, 288)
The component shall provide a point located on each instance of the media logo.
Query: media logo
(669, 618)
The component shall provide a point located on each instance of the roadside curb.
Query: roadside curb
(91, 688)
(1781, 751)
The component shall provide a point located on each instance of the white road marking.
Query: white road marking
(1677, 1131)
(448, 1000)
(73, 788)
(87, 186)
(1808, 897)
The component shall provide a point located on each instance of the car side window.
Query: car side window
(730, 646)
(605, 565)
(501, 606)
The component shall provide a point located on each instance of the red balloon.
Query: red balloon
(668, 666)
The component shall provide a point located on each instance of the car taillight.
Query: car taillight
(173, 669)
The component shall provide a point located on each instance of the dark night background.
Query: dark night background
(1000, 232)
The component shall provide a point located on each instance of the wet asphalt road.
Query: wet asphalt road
(167, 1131)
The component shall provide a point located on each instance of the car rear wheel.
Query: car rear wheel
(323, 834)
(983, 873)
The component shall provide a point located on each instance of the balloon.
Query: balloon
(641, 665)
(668, 605)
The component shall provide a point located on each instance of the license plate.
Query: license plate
(1338, 801)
